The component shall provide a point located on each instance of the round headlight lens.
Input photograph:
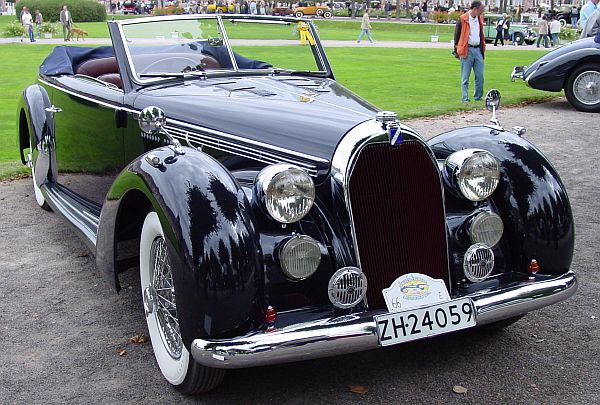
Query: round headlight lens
(476, 173)
(300, 257)
(486, 228)
(288, 192)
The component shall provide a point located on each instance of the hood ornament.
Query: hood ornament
(492, 103)
(389, 122)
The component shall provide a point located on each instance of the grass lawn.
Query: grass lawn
(413, 82)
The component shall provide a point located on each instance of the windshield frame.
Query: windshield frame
(317, 49)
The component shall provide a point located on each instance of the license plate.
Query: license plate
(418, 323)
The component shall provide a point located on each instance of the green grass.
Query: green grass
(413, 82)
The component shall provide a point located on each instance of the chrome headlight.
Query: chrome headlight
(287, 192)
(475, 172)
(486, 227)
(300, 257)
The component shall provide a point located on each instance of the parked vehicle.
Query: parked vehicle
(138, 7)
(574, 68)
(272, 214)
(311, 8)
(220, 7)
(283, 11)
(520, 33)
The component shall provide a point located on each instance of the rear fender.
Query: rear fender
(33, 121)
(531, 198)
(214, 247)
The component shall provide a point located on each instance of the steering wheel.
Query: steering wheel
(173, 64)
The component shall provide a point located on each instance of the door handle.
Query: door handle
(53, 109)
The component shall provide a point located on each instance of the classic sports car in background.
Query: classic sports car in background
(272, 214)
(304, 8)
(574, 67)
(520, 33)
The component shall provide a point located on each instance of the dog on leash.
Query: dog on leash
(78, 33)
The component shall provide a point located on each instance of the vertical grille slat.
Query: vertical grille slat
(398, 215)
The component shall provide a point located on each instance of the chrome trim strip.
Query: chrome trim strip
(238, 149)
(93, 100)
(354, 333)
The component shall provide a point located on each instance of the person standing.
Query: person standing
(27, 22)
(518, 13)
(424, 10)
(365, 27)
(469, 46)
(38, 22)
(586, 12)
(554, 31)
(500, 30)
(543, 32)
(506, 30)
(574, 16)
(592, 27)
(67, 22)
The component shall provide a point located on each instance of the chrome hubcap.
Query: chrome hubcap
(586, 87)
(159, 299)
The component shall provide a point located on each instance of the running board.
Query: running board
(79, 212)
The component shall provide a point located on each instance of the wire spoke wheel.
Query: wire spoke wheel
(164, 298)
(586, 87)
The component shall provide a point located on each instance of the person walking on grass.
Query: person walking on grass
(554, 28)
(38, 22)
(365, 27)
(27, 22)
(543, 32)
(67, 22)
(469, 47)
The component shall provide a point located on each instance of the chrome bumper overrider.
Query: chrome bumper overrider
(354, 333)
(517, 73)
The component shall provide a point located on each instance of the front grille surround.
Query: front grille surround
(381, 262)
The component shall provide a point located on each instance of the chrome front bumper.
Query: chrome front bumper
(354, 333)
(518, 73)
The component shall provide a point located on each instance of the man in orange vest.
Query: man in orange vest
(469, 47)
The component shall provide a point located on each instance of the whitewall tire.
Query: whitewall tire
(160, 306)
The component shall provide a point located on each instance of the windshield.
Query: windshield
(202, 46)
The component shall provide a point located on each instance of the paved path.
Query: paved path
(326, 43)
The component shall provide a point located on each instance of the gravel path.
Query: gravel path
(61, 325)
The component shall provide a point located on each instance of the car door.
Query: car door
(88, 135)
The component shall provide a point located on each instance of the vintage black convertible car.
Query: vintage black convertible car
(574, 67)
(274, 215)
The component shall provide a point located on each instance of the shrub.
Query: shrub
(49, 28)
(13, 29)
(170, 10)
(81, 10)
(439, 16)
(568, 34)
(454, 16)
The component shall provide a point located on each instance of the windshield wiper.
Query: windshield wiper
(291, 72)
(182, 75)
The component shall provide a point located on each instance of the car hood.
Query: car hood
(305, 115)
(558, 52)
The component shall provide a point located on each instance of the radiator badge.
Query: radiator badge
(414, 290)
(395, 134)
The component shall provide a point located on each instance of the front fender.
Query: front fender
(214, 247)
(530, 198)
(552, 75)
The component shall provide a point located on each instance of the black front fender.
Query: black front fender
(530, 197)
(214, 247)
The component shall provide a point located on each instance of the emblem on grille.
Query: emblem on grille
(347, 287)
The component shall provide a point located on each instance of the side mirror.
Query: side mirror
(492, 100)
(152, 120)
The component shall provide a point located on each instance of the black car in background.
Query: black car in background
(574, 68)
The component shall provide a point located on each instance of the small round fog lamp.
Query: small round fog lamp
(486, 227)
(300, 257)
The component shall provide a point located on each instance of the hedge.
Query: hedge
(81, 10)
